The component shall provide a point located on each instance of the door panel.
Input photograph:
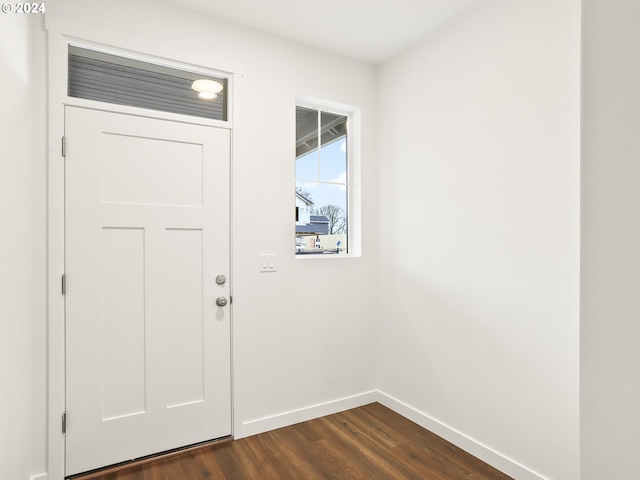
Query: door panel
(123, 322)
(183, 308)
(147, 231)
(177, 165)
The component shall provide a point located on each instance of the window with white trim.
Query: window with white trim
(322, 182)
(104, 77)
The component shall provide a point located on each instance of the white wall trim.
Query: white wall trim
(55, 258)
(469, 445)
(265, 424)
(354, 173)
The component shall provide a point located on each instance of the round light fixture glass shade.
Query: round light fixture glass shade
(204, 85)
(207, 95)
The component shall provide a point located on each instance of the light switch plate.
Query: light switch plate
(267, 262)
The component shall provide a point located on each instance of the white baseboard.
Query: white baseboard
(260, 425)
(469, 445)
(42, 476)
(475, 448)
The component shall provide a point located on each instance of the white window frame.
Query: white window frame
(150, 61)
(68, 40)
(354, 185)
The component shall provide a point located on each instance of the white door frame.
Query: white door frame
(60, 33)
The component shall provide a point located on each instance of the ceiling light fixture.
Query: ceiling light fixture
(207, 89)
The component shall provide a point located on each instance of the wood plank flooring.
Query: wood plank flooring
(370, 442)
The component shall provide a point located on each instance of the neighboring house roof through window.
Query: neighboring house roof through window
(319, 226)
(304, 199)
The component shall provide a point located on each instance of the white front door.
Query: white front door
(147, 233)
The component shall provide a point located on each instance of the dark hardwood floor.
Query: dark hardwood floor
(370, 442)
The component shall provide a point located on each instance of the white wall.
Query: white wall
(479, 269)
(610, 330)
(477, 302)
(296, 353)
(17, 254)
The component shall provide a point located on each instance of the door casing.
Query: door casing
(60, 32)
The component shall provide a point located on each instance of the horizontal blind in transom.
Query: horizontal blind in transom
(123, 81)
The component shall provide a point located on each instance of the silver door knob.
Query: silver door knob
(221, 301)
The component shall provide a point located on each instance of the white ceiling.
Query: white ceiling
(368, 30)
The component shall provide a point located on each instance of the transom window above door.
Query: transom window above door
(104, 77)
